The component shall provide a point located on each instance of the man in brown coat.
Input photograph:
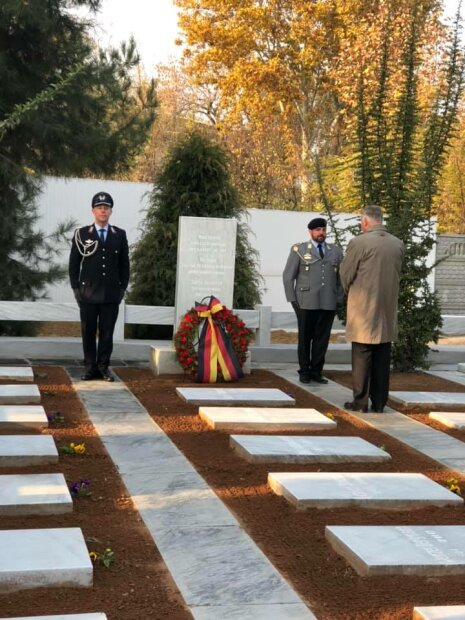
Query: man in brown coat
(370, 274)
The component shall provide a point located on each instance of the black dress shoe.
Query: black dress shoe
(319, 379)
(106, 375)
(351, 406)
(91, 375)
(304, 379)
(377, 409)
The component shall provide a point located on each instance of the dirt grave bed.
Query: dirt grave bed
(138, 584)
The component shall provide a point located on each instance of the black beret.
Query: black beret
(102, 198)
(317, 222)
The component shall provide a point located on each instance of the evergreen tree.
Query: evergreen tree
(65, 108)
(194, 182)
(401, 149)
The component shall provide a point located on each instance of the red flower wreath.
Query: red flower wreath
(187, 336)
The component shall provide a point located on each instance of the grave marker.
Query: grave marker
(295, 449)
(34, 494)
(233, 419)
(19, 395)
(379, 491)
(425, 550)
(205, 262)
(234, 396)
(41, 558)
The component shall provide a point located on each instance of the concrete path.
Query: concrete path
(439, 446)
(217, 567)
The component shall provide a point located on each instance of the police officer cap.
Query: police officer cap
(102, 198)
(317, 222)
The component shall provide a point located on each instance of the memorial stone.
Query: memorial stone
(34, 494)
(41, 558)
(22, 416)
(233, 419)
(446, 612)
(234, 396)
(296, 449)
(383, 491)
(62, 617)
(424, 550)
(451, 419)
(26, 450)
(17, 373)
(205, 262)
(426, 398)
(19, 395)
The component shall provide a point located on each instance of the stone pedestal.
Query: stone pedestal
(163, 361)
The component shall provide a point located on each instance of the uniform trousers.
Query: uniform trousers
(314, 332)
(370, 374)
(104, 317)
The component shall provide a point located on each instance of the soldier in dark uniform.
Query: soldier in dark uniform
(312, 286)
(99, 276)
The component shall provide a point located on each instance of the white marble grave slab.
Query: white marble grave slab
(34, 494)
(269, 397)
(18, 417)
(25, 450)
(427, 550)
(231, 419)
(461, 367)
(425, 398)
(19, 395)
(451, 419)
(63, 617)
(446, 612)
(17, 373)
(295, 449)
(42, 558)
(296, 611)
(383, 491)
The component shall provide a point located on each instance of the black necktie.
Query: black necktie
(101, 232)
(320, 250)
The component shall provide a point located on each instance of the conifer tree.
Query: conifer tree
(401, 148)
(194, 182)
(65, 109)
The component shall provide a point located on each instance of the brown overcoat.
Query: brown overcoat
(370, 274)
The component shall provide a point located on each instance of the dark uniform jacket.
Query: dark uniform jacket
(311, 281)
(101, 276)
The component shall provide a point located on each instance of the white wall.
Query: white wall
(272, 232)
(64, 199)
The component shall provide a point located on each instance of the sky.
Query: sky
(154, 26)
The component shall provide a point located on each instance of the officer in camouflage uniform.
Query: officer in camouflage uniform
(312, 286)
(99, 276)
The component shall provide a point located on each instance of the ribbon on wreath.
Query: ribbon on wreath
(215, 347)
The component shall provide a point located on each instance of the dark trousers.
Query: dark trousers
(314, 332)
(370, 373)
(104, 317)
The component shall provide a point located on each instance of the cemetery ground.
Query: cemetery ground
(137, 585)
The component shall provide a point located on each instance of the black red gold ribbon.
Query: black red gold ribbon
(215, 347)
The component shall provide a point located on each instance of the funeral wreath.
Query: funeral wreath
(212, 342)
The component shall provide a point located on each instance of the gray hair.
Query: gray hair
(373, 212)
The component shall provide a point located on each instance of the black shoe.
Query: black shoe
(91, 375)
(106, 375)
(351, 406)
(304, 379)
(377, 409)
(319, 379)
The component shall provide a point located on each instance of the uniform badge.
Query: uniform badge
(295, 248)
(88, 241)
(307, 256)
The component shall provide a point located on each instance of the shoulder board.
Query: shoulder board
(296, 246)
